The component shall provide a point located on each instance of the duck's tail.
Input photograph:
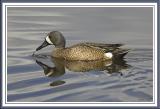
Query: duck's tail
(120, 53)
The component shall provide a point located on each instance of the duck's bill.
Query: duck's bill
(44, 44)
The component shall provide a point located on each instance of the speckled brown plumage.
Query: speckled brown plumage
(83, 51)
(79, 52)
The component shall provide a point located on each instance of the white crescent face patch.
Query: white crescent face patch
(48, 40)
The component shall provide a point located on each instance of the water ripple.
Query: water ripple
(27, 81)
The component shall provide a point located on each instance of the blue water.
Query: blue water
(130, 80)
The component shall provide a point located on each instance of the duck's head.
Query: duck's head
(53, 38)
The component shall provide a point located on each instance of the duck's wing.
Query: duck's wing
(114, 48)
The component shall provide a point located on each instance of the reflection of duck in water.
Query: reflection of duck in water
(82, 51)
(82, 66)
(114, 66)
(56, 71)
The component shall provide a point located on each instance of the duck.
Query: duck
(86, 51)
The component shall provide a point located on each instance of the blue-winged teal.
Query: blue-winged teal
(82, 51)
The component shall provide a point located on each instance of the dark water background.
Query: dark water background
(130, 81)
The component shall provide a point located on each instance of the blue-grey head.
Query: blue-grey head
(53, 38)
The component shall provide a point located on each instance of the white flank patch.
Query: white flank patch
(48, 40)
(108, 55)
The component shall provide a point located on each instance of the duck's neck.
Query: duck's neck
(59, 48)
(60, 45)
(58, 52)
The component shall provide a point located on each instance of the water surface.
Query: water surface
(33, 79)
